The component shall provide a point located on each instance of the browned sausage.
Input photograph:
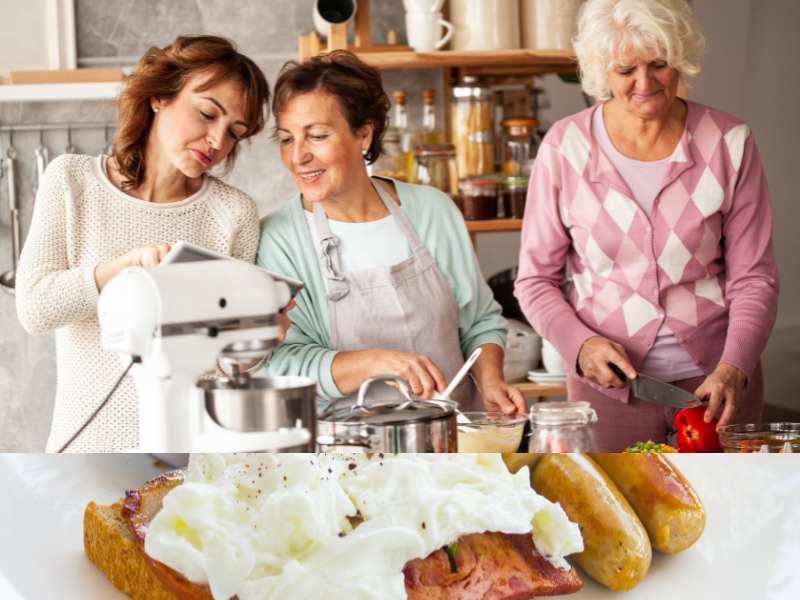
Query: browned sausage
(659, 493)
(617, 552)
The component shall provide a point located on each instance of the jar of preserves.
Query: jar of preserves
(479, 198)
(562, 426)
(520, 143)
(473, 128)
(513, 191)
(435, 165)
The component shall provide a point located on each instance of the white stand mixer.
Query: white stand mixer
(179, 319)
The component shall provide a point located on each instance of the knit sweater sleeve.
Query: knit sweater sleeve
(247, 232)
(306, 350)
(544, 247)
(50, 292)
(751, 273)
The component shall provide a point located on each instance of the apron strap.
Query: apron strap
(401, 217)
(330, 260)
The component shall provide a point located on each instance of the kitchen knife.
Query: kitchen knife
(654, 390)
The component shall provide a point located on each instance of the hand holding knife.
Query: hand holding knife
(654, 390)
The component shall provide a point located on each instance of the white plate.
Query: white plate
(749, 551)
(542, 376)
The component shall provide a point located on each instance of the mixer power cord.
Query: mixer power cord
(134, 360)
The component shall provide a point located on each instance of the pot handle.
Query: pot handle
(400, 383)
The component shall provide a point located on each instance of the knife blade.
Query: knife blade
(654, 390)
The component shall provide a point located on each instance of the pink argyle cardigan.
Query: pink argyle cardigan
(703, 261)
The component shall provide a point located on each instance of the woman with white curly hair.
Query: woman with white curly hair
(657, 209)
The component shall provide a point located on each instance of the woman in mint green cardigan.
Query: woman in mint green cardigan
(392, 282)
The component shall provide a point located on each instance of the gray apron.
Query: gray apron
(407, 307)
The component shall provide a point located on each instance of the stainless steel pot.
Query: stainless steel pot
(264, 404)
(403, 424)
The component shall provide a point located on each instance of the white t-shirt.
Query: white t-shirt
(667, 359)
(367, 245)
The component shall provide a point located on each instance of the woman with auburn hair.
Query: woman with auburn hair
(657, 208)
(182, 112)
(392, 283)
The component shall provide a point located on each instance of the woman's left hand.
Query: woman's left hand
(284, 320)
(724, 385)
(500, 396)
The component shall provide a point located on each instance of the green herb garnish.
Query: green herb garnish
(451, 556)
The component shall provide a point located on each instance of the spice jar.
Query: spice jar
(520, 143)
(513, 191)
(435, 165)
(472, 128)
(479, 198)
(562, 426)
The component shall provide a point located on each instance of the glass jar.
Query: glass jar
(513, 191)
(472, 128)
(435, 165)
(478, 198)
(764, 437)
(562, 426)
(520, 143)
(392, 161)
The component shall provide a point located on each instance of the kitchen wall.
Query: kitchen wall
(748, 71)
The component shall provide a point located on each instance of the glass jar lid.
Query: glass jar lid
(435, 150)
(470, 88)
(483, 186)
(520, 125)
(514, 183)
(559, 413)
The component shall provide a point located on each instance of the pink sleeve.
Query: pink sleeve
(751, 274)
(545, 245)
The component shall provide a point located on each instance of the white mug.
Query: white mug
(428, 6)
(329, 12)
(551, 359)
(424, 31)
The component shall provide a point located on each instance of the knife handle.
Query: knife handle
(618, 372)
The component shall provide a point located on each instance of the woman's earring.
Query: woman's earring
(364, 152)
(155, 109)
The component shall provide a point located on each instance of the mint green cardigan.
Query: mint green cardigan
(287, 247)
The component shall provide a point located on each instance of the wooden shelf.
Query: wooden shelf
(50, 92)
(529, 388)
(544, 60)
(494, 225)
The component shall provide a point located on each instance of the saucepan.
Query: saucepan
(398, 423)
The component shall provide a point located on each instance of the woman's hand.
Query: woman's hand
(147, 256)
(423, 376)
(725, 384)
(284, 320)
(593, 359)
(143, 256)
(499, 396)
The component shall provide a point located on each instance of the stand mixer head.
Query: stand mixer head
(181, 319)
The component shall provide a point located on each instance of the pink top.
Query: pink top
(667, 359)
(702, 263)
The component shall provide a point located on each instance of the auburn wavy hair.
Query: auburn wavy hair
(162, 73)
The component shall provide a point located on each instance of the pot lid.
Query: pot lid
(398, 408)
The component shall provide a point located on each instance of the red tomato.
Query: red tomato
(694, 434)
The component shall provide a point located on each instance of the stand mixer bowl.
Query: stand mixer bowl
(264, 404)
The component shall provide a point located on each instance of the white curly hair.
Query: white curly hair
(608, 29)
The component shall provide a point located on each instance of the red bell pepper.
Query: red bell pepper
(694, 434)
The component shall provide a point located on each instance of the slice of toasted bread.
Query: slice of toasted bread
(110, 545)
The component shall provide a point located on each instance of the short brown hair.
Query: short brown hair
(162, 73)
(357, 86)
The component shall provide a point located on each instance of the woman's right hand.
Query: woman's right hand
(593, 359)
(143, 256)
(423, 376)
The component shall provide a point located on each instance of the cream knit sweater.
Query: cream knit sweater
(81, 220)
